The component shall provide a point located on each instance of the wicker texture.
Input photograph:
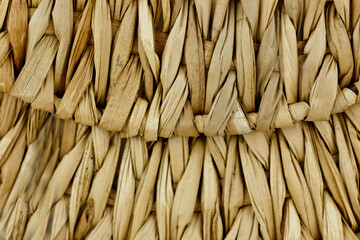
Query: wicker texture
(179, 119)
(203, 69)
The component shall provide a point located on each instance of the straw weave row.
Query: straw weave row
(62, 180)
(163, 68)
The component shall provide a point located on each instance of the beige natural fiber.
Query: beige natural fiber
(179, 119)
(291, 61)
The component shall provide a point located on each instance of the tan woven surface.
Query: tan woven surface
(64, 180)
(179, 119)
(211, 64)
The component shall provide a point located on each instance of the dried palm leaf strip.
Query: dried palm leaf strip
(8, 141)
(221, 108)
(341, 103)
(298, 188)
(67, 137)
(221, 58)
(101, 29)
(266, 14)
(164, 196)
(173, 104)
(347, 162)
(245, 60)
(139, 155)
(323, 92)
(3, 10)
(173, 50)
(86, 113)
(56, 187)
(283, 118)
(353, 135)
(12, 226)
(355, 46)
(343, 9)
(7, 76)
(334, 182)
(135, 120)
(339, 45)
(103, 230)
(219, 11)
(312, 12)
(28, 168)
(81, 185)
(292, 225)
(348, 233)
(186, 191)
(122, 44)
(289, 58)
(194, 230)
(36, 119)
(210, 197)
(58, 220)
(195, 58)
(101, 142)
(77, 86)
(326, 131)
(153, 117)
(267, 56)
(233, 195)
(43, 181)
(45, 98)
(11, 167)
(295, 10)
(238, 123)
(245, 226)
(38, 25)
(269, 103)
(123, 97)
(260, 196)
(62, 16)
(315, 50)
(100, 190)
(79, 5)
(54, 222)
(34, 72)
(333, 227)
(148, 230)
(277, 186)
(203, 10)
(179, 156)
(259, 143)
(166, 14)
(125, 195)
(185, 125)
(313, 174)
(5, 46)
(81, 38)
(145, 191)
(149, 59)
(355, 13)
(286, 115)
(41, 165)
(120, 8)
(295, 139)
(218, 149)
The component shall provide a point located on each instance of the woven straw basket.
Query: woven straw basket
(179, 119)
